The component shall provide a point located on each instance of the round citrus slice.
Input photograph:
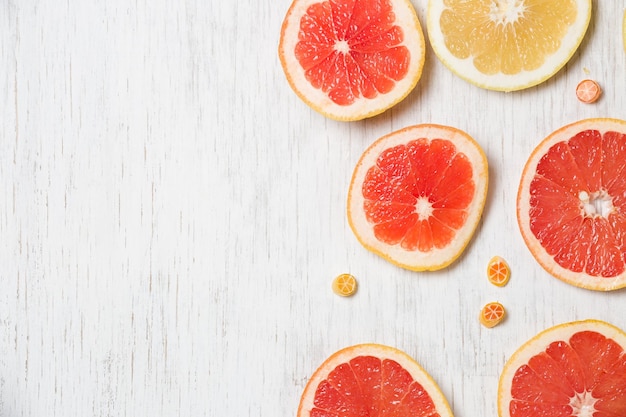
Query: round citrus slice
(491, 314)
(571, 204)
(574, 369)
(498, 271)
(372, 380)
(344, 285)
(506, 45)
(352, 59)
(417, 194)
(588, 91)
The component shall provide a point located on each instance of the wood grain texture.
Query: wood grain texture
(172, 215)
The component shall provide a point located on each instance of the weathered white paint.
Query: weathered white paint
(172, 215)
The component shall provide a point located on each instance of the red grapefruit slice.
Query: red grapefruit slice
(571, 204)
(574, 369)
(352, 59)
(417, 194)
(372, 380)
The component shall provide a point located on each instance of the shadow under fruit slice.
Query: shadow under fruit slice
(417, 194)
(573, 369)
(571, 204)
(351, 59)
(372, 380)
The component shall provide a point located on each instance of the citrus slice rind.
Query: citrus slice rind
(437, 403)
(412, 38)
(417, 260)
(585, 278)
(545, 345)
(499, 81)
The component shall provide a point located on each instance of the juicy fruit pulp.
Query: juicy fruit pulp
(350, 49)
(377, 387)
(352, 59)
(506, 36)
(506, 45)
(372, 380)
(411, 201)
(576, 207)
(417, 194)
(576, 369)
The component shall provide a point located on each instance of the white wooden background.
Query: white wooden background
(172, 215)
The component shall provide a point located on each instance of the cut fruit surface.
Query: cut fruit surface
(571, 204)
(588, 91)
(506, 45)
(498, 271)
(344, 285)
(352, 59)
(417, 194)
(574, 369)
(372, 380)
(491, 314)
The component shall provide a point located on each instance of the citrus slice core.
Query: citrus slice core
(571, 204)
(574, 369)
(352, 59)
(417, 194)
(372, 380)
(506, 45)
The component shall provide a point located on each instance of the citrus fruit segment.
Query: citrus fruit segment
(588, 91)
(574, 369)
(344, 285)
(571, 204)
(417, 194)
(491, 314)
(498, 271)
(372, 380)
(351, 59)
(506, 45)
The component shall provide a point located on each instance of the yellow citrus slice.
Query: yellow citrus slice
(571, 206)
(372, 380)
(344, 285)
(417, 194)
(351, 59)
(506, 45)
(498, 271)
(574, 369)
(491, 314)
(588, 91)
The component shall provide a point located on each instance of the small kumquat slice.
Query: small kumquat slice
(588, 91)
(344, 285)
(491, 314)
(498, 271)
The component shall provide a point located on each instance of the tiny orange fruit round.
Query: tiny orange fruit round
(571, 204)
(352, 59)
(491, 314)
(588, 91)
(344, 285)
(372, 380)
(417, 195)
(572, 369)
(498, 271)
